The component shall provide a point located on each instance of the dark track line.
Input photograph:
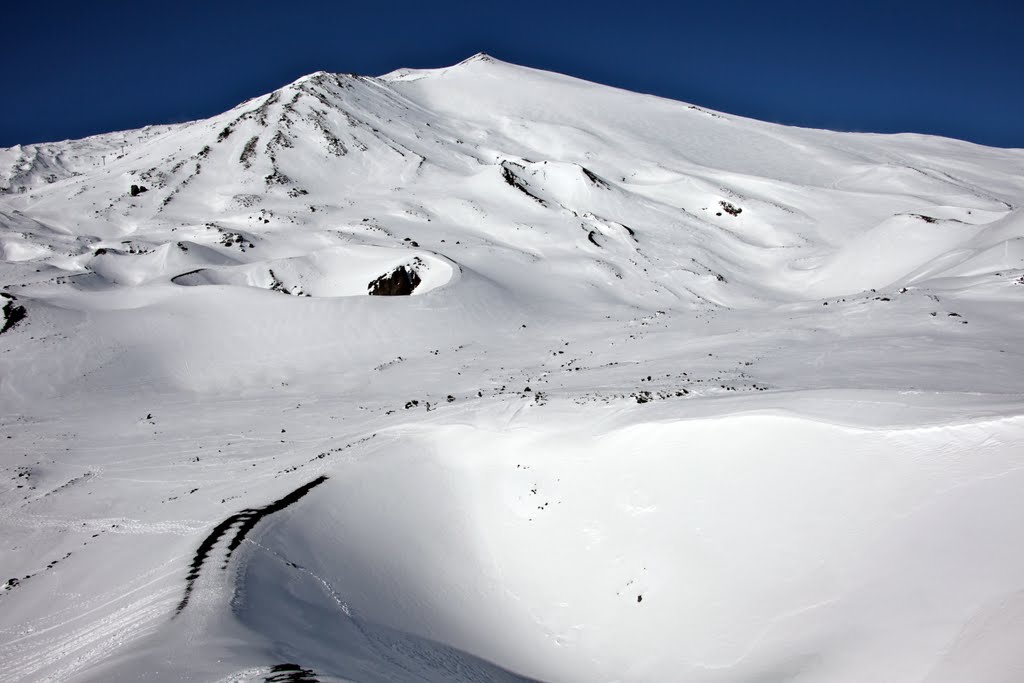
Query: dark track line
(290, 673)
(246, 520)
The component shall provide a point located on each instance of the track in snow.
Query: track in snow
(242, 523)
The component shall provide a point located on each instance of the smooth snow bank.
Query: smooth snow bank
(752, 547)
(910, 248)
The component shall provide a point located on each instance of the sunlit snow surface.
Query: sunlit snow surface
(681, 396)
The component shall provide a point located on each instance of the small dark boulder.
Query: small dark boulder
(136, 190)
(399, 282)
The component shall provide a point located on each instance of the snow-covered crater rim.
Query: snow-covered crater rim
(337, 272)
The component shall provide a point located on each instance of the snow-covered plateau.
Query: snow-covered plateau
(486, 373)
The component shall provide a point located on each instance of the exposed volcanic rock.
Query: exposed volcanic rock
(402, 281)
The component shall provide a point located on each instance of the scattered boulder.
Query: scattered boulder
(136, 190)
(730, 209)
(399, 282)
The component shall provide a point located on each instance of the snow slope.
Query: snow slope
(678, 395)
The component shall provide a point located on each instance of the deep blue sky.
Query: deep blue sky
(947, 68)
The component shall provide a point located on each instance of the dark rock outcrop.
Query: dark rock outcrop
(13, 314)
(730, 209)
(399, 282)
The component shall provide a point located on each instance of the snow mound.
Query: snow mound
(336, 272)
(132, 268)
(698, 550)
(15, 248)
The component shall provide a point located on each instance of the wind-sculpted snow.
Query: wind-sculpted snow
(549, 381)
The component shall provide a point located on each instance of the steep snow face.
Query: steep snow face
(675, 393)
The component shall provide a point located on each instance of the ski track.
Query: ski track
(78, 647)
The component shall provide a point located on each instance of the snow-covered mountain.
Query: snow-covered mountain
(676, 395)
